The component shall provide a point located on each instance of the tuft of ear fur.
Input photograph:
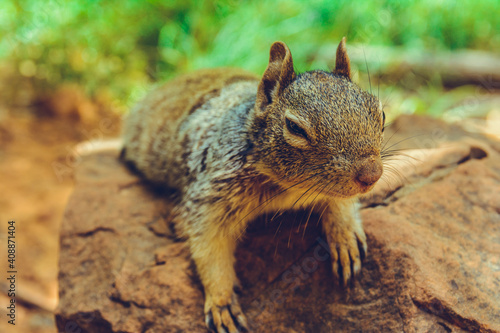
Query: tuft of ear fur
(342, 62)
(277, 76)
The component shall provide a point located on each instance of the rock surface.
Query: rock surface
(433, 227)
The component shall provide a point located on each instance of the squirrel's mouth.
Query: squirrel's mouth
(362, 181)
(349, 190)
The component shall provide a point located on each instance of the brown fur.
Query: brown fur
(235, 148)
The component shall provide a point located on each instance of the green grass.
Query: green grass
(122, 46)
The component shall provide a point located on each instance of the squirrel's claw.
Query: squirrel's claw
(348, 248)
(226, 319)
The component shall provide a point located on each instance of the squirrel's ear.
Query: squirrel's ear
(279, 74)
(342, 62)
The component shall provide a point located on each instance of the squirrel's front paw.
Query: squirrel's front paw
(225, 316)
(349, 248)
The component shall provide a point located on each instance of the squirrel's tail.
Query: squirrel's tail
(94, 146)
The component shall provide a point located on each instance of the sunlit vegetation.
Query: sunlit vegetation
(121, 47)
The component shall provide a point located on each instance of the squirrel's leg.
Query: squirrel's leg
(213, 253)
(345, 235)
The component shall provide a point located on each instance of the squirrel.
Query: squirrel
(236, 146)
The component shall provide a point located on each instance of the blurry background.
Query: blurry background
(70, 69)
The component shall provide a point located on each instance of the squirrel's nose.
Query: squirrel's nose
(370, 171)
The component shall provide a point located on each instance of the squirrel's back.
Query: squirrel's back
(151, 130)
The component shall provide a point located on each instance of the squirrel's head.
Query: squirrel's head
(317, 130)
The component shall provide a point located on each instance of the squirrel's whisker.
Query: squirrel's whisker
(368, 71)
(400, 141)
(312, 208)
(281, 222)
(268, 201)
(305, 192)
(396, 173)
(390, 138)
(326, 206)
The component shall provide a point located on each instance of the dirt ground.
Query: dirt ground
(37, 159)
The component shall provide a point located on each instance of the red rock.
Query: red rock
(433, 228)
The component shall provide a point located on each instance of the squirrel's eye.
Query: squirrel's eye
(383, 121)
(295, 129)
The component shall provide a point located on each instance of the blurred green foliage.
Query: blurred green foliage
(122, 46)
